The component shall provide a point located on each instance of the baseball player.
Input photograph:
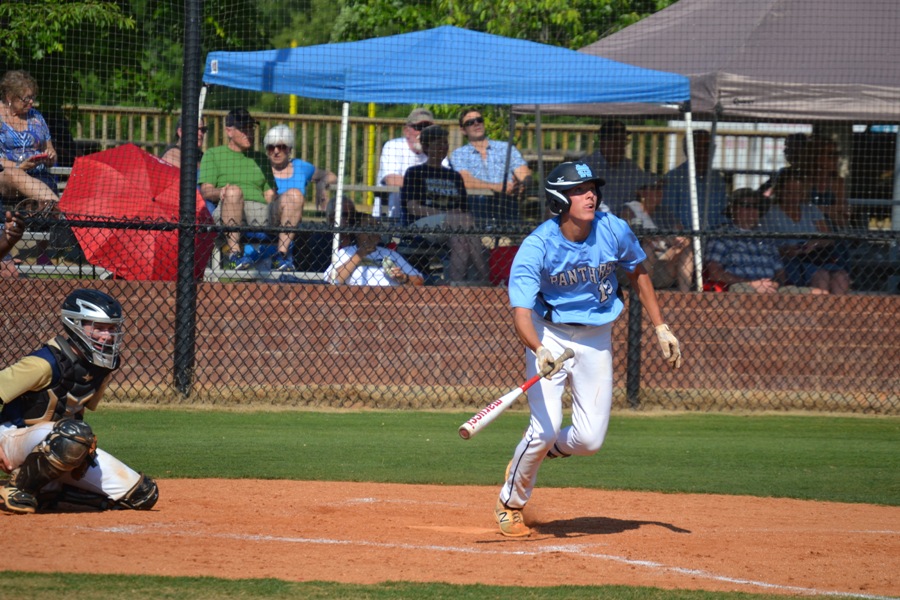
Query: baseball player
(50, 451)
(564, 294)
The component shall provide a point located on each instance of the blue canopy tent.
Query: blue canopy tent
(444, 65)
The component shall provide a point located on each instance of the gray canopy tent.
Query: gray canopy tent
(827, 60)
(798, 60)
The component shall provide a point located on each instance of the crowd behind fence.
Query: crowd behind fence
(291, 338)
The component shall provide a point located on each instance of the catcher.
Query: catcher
(45, 445)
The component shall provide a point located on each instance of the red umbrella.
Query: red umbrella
(129, 184)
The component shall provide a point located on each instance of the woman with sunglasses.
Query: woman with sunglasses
(295, 173)
(26, 151)
(292, 176)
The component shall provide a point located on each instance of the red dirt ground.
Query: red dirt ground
(368, 533)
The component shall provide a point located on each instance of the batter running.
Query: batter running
(563, 291)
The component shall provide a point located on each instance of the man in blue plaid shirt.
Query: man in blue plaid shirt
(482, 163)
(746, 264)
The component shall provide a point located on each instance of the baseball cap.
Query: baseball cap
(420, 115)
(240, 118)
(433, 133)
(613, 130)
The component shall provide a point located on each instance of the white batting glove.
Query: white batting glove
(547, 366)
(671, 350)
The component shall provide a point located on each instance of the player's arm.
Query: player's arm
(525, 328)
(29, 373)
(668, 343)
(97, 395)
(640, 282)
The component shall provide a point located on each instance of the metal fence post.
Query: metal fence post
(186, 286)
(633, 352)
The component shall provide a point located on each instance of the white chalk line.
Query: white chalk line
(575, 549)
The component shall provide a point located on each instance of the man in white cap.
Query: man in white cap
(401, 153)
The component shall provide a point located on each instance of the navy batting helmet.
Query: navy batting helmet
(562, 179)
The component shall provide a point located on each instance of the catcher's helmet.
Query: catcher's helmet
(90, 306)
(563, 178)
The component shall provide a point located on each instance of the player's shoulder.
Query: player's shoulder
(609, 220)
(545, 235)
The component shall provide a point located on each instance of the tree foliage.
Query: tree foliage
(567, 23)
(32, 30)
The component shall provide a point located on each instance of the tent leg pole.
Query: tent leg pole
(539, 142)
(339, 192)
(692, 186)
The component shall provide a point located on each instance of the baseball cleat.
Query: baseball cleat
(510, 520)
(17, 501)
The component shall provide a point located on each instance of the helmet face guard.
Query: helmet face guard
(563, 178)
(81, 312)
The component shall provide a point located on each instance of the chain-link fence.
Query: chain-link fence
(291, 339)
(317, 261)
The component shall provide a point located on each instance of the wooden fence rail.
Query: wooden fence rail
(655, 148)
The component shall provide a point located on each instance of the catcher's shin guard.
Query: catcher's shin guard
(73, 495)
(142, 496)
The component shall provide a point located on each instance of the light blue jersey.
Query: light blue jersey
(570, 282)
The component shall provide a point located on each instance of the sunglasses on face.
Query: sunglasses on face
(280, 147)
(27, 99)
(203, 129)
(421, 126)
(473, 121)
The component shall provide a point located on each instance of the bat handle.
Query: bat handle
(566, 355)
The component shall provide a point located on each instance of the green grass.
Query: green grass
(845, 459)
(834, 458)
(39, 586)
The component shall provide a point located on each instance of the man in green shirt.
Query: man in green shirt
(239, 182)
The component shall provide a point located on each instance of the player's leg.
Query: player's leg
(18, 442)
(65, 448)
(591, 383)
(110, 484)
(545, 403)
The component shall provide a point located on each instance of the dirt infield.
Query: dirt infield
(368, 533)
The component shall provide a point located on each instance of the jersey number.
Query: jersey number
(606, 289)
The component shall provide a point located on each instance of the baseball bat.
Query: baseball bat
(483, 417)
